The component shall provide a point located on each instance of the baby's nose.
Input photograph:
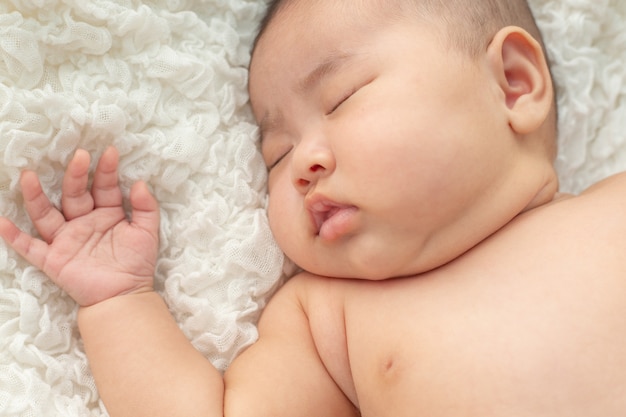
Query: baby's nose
(310, 163)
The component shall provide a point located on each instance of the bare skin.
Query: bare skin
(446, 276)
(518, 326)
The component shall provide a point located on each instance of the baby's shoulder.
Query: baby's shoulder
(596, 214)
(604, 201)
(612, 188)
(290, 307)
(306, 289)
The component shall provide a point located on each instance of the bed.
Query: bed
(165, 82)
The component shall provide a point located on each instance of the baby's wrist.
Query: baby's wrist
(120, 301)
(120, 307)
(144, 289)
(87, 294)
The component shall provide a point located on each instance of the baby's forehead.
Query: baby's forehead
(368, 11)
(344, 15)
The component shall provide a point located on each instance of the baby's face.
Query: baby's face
(385, 150)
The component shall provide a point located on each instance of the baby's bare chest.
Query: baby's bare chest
(531, 322)
(540, 337)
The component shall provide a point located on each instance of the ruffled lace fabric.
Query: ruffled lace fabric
(587, 44)
(165, 82)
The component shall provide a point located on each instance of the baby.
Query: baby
(410, 147)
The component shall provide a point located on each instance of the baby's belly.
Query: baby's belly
(463, 348)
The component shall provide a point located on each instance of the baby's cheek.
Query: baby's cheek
(281, 216)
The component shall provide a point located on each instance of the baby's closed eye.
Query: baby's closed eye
(279, 159)
(343, 98)
(274, 150)
(347, 94)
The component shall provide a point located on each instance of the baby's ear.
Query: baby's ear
(522, 73)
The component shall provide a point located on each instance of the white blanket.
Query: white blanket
(165, 82)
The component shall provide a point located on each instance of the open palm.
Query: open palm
(89, 248)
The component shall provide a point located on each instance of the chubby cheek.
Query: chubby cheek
(276, 213)
(284, 216)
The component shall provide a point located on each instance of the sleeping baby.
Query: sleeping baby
(410, 148)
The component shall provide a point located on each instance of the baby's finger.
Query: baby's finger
(145, 209)
(105, 189)
(76, 200)
(46, 218)
(31, 249)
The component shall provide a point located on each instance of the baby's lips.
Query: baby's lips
(338, 224)
(323, 209)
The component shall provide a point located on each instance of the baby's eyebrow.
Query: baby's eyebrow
(325, 68)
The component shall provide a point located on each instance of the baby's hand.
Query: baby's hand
(89, 248)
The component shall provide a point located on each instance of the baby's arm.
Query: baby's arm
(282, 375)
(142, 363)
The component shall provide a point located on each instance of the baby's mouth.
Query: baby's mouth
(328, 217)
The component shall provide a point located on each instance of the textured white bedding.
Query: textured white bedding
(165, 82)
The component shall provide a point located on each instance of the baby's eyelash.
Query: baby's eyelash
(343, 100)
(278, 161)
